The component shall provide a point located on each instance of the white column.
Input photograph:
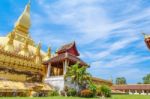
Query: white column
(135, 92)
(49, 69)
(130, 91)
(143, 93)
(65, 64)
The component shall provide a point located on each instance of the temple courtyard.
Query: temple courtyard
(60, 97)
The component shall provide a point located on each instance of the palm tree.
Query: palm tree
(78, 75)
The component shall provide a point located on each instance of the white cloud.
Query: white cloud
(92, 21)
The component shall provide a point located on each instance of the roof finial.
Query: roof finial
(38, 49)
(10, 43)
(145, 35)
(38, 58)
(25, 50)
(25, 47)
(48, 55)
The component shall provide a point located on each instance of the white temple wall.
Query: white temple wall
(57, 82)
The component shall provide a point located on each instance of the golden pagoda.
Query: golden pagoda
(20, 59)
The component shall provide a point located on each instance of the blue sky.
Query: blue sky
(107, 32)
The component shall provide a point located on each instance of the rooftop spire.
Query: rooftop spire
(24, 19)
(10, 43)
(38, 58)
(25, 49)
(145, 35)
(38, 49)
(22, 26)
(48, 55)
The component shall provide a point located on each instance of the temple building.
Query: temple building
(137, 89)
(21, 59)
(67, 55)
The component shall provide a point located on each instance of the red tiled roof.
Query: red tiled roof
(66, 47)
(64, 56)
(101, 80)
(132, 87)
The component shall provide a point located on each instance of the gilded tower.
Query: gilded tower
(22, 26)
(21, 54)
(21, 61)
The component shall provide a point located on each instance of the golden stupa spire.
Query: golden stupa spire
(10, 43)
(37, 53)
(49, 52)
(48, 55)
(38, 58)
(22, 26)
(23, 23)
(25, 49)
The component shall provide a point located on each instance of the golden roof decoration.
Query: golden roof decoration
(49, 52)
(37, 53)
(48, 55)
(25, 49)
(10, 43)
(38, 58)
(146, 35)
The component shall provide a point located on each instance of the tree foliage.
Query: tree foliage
(121, 80)
(146, 79)
(78, 75)
(105, 91)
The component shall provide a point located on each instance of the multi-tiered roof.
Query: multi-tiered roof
(69, 52)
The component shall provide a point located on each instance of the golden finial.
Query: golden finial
(49, 52)
(25, 50)
(38, 58)
(48, 55)
(9, 46)
(39, 45)
(38, 49)
(11, 36)
(25, 47)
(145, 35)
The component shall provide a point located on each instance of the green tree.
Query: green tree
(78, 75)
(139, 83)
(106, 91)
(121, 80)
(146, 79)
(92, 87)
